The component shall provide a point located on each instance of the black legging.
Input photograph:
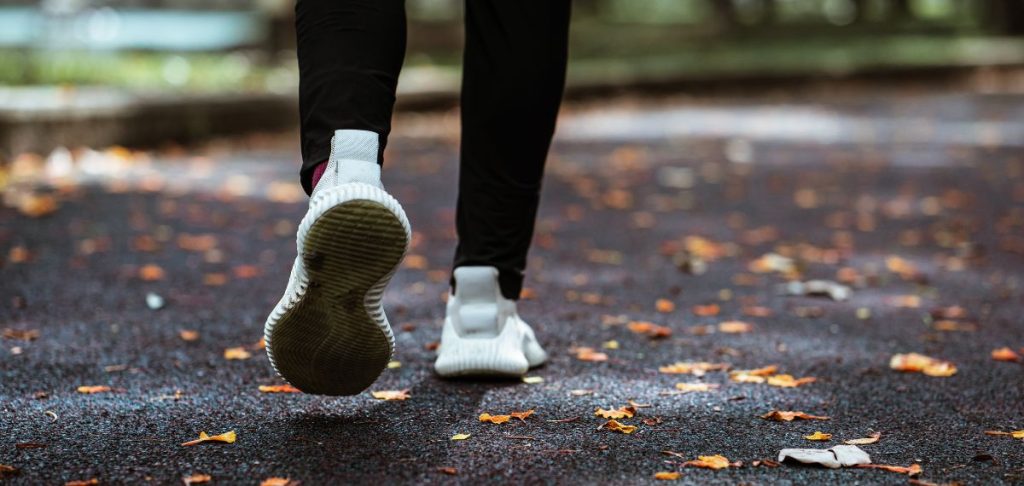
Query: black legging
(350, 53)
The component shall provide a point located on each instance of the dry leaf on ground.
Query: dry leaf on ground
(819, 435)
(697, 369)
(460, 436)
(494, 419)
(196, 479)
(522, 415)
(227, 438)
(21, 334)
(666, 475)
(914, 362)
(621, 412)
(696, 387)
(93, 389)
(788, 416)
(912, 470)
(871, 439)
(237, 353)
(664, 305)
(711, 462)
(651, 329)
(286, 388)
(788, 381)
(735, 327)
(391, 394)
(188, 335)
(588, 354)
(616, 426)
(1016, 434)
(278, 482)
(1005, 354)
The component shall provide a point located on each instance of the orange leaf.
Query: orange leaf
(912, 470)
(286, 388)
(735, 327)
(1005, 354)
(915, 362)
(871, 439)
(246, 271)
(91, 389)
(818, 435)
(277, 482)
(787, 381)
(196, 479)
(784, 416)
(21, 334)
(522, 415)
(391, 394)
(151, 272)
(588, 354)
(666, 476)
(758, 311)
(237, 353)
(188, 335)
(227, 438)
(706, 310)
(697, 369)
(649, 328)
(695, 387)
(451, 471)
(6, 471)
(709, 462)
(753, 376)
(495, 419)
(82, 482)
(621, 412)
(615, 426)
(1017, 434)
(664, 306)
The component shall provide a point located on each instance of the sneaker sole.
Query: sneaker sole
(334, 339)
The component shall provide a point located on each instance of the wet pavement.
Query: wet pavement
(650, 209)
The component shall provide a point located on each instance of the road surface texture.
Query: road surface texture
(652, 211)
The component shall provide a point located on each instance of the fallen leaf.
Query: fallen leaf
(278, 482)
(533, 380)
(734, 327)
(871, 439)
(753, 376)
(588, 354)
(615, 426)
(697, 369)
(451, 471)
(392, 365)
(581, 393)
(758, 311)
(788, 381)
(787, 416)
(8, 471)
(666, 476)
(819, 435)
(188, 335)
(391, 394)
(695, 387)
(1001, 354)
(912, 470)
(613, 344)
(93, 389)
(664, 306)
(227, 437)
(238, 353)
(83, 482)
(495, 419)
(1016, 434)
(914, 362)
(621, 412)
(946, 325)
(196, 479)
(37, 205)
(21, 334)
(706, 310)
(649, 328)
(522, 415)
(460, 436)
(709, 462)
(151, 272)
(286, 388)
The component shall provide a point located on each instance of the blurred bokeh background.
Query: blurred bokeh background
(198, 68)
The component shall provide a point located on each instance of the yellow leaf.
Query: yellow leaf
(533, 380)
(522, 415)
(92, 389)
(734, 327)
(227, 437)
(615, 426)
(495, 419)
(787, 381)
(914, 362)
(695, 387)
(610, 344)
(784, 416)
(460, 436)
(697, 369)
(621, 412)
(286, 388)
(236, 353)
(819, 435)
(709, 462)
(391, 394)
(666, 476)
(867, 440)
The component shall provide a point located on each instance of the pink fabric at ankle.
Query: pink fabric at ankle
(318, 172)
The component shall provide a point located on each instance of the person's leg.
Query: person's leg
(328, 333)
(513, 77)
(350, 54)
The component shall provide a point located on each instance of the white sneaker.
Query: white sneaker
(483, 334)
(328, 334)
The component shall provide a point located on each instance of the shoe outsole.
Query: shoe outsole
(334, 339)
